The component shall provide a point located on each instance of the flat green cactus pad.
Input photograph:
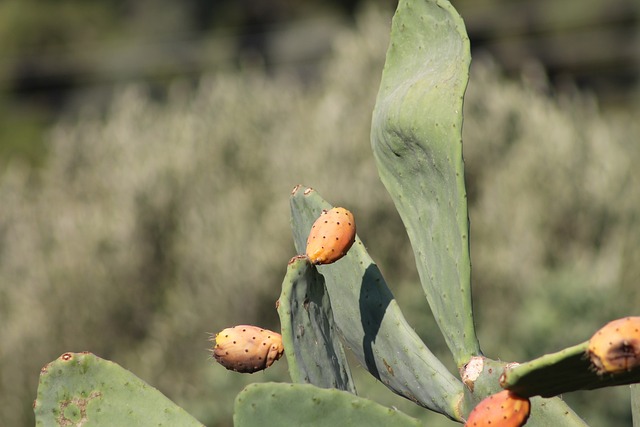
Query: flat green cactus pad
(81, 389)
(371, 322)
(635, 404)
(312, 345)
(416, 136)
(304, 405)
(561, 372)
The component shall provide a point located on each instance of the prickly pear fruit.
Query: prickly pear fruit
(246, 348)
(503, 409)
(331, 236)
(615, 347)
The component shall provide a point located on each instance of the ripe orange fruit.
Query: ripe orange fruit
(331, 236)
(615, 347)
(247, 348)
(503, 409)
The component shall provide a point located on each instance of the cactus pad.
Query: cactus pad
(561, 372)
(314, 351)
(372, 324)
(416, 136)
(81, 389)
(304, 405)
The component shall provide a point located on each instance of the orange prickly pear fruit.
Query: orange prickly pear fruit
(503, 409)
(615, 347)
(246, 348)
(331, 236)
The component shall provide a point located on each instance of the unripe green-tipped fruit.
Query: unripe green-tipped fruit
(247, 349)
(615, 348)
(503, 409)
(331, 236)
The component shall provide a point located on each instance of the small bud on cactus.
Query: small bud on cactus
(615, 348)
(503, 409)
(247, 348)
(331, 236)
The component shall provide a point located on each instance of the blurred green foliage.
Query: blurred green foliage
(58, 56)
(153, 223)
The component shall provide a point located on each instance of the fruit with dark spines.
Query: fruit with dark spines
(615, 348)
(331, 236)
(502, 409)
(246, 348)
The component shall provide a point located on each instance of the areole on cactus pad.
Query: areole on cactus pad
(246, 348)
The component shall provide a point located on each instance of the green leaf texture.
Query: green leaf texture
(371, 323)
(312, 345)
(561, 372)
(304, 405)
(416, 137)
(81, 389)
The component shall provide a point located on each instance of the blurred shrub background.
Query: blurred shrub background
(148, 150)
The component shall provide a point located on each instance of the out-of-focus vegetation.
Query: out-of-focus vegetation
(59, 56)
(152, 222)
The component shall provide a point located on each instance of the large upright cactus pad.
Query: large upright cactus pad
(416, 137)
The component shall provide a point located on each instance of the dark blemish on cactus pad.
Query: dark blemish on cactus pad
(389, 368)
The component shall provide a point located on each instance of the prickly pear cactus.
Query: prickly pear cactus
(416, 139)
(81, 389)
(334, 293)
(371, 323)
(384, 342)
(417, 144)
